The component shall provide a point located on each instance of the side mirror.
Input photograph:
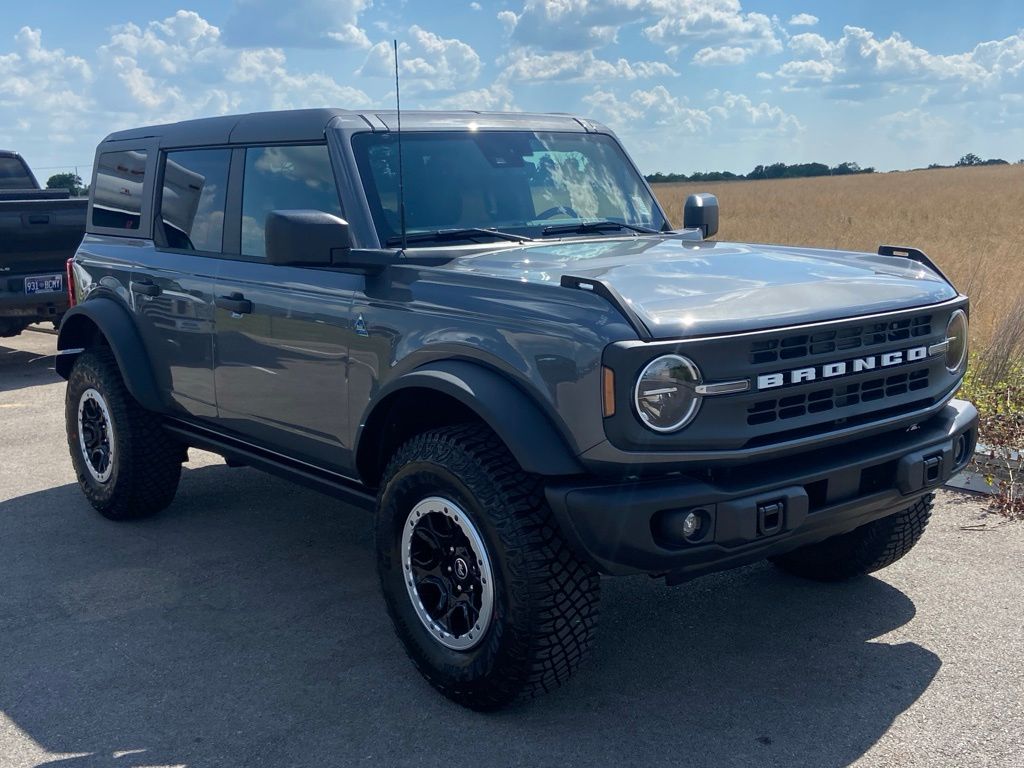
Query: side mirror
(701, 212)
(306, 237)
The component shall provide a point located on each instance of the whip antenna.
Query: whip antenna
(401, 165)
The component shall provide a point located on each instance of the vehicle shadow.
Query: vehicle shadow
(244, 627)
(20, 368)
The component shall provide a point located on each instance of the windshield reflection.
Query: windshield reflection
(514, 181)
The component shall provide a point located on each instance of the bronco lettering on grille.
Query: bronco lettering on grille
(841, 368)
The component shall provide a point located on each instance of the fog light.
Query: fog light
(960, 450)
(691, 524)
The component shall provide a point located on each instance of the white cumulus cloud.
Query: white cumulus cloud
(296, 23)
(803, 20)
(427, 60)
(656, 108)
(170, 69)
(859, 59)
(713, 21)
(526, 66)
(723, 55)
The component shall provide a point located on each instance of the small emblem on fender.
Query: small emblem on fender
(361, 327)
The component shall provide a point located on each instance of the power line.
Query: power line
(58, 167)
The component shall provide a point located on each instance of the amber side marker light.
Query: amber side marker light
(608, 392)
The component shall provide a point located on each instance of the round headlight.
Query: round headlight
(665, 396)
(956, 342)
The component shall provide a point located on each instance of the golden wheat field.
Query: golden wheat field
(968, 220)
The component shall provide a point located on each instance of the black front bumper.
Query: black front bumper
(748, 513)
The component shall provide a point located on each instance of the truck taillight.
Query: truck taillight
(69, 272)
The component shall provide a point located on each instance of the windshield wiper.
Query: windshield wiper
(443, 235)
(583, 227)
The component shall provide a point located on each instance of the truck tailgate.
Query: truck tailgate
(39, 235)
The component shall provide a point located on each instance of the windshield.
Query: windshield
(517, 182)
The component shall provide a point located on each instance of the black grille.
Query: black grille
(862, 336)
(831, 398)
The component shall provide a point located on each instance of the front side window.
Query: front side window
(117, 193)
(284, 178)
(192, 199)
(514, 181)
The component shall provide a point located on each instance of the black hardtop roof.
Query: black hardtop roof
(310, 124)
(8, 153)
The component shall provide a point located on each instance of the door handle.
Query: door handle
(146, 288)
(235, 302)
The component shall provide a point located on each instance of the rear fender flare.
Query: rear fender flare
(78, 331)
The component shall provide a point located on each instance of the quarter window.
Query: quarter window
(117, 197)
(284, 178)
(192, 201)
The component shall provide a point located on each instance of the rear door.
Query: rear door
(172, 287)
(282, 332)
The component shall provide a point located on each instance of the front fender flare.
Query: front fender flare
(77, 331)
(515, 417)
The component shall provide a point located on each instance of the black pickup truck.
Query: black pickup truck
(39, 231)
(485, 329)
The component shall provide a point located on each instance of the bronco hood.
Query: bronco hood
(683, 288)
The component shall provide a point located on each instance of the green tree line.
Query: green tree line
(803, 170)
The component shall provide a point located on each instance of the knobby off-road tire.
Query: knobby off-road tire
(141, 476)
(545, 600)
(864, 550)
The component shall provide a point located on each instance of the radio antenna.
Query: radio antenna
(401, 165)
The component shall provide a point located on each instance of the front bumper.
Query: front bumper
(763, 509)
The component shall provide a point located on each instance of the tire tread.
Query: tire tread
(149, 465)
(561, 592)
(864, 550)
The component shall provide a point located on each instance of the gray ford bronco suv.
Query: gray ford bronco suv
(484, 328)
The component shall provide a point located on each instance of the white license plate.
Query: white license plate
(44, 284)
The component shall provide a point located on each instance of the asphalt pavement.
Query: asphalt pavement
(244, 627)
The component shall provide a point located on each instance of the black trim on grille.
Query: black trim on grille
(835, 340)
(843, 396)
(829, 426)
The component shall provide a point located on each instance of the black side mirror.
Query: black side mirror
(701, 212)
(306, 237)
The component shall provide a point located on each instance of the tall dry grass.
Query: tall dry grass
(968, 220)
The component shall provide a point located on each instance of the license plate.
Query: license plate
(44, 284)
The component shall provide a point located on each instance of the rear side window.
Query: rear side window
(14, 174)
(192, 199)
(117, 194)
(284, 178)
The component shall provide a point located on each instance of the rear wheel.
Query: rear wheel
(864, 550)
(127, 466)
(486, 596)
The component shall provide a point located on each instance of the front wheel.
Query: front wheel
(483, 591)
(127, 466)
(861, 551)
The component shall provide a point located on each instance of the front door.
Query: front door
(282, 332)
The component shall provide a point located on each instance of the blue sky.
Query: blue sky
(688, 84)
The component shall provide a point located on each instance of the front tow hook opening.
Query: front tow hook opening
(770, 517)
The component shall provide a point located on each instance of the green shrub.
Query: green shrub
(1000, 402)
